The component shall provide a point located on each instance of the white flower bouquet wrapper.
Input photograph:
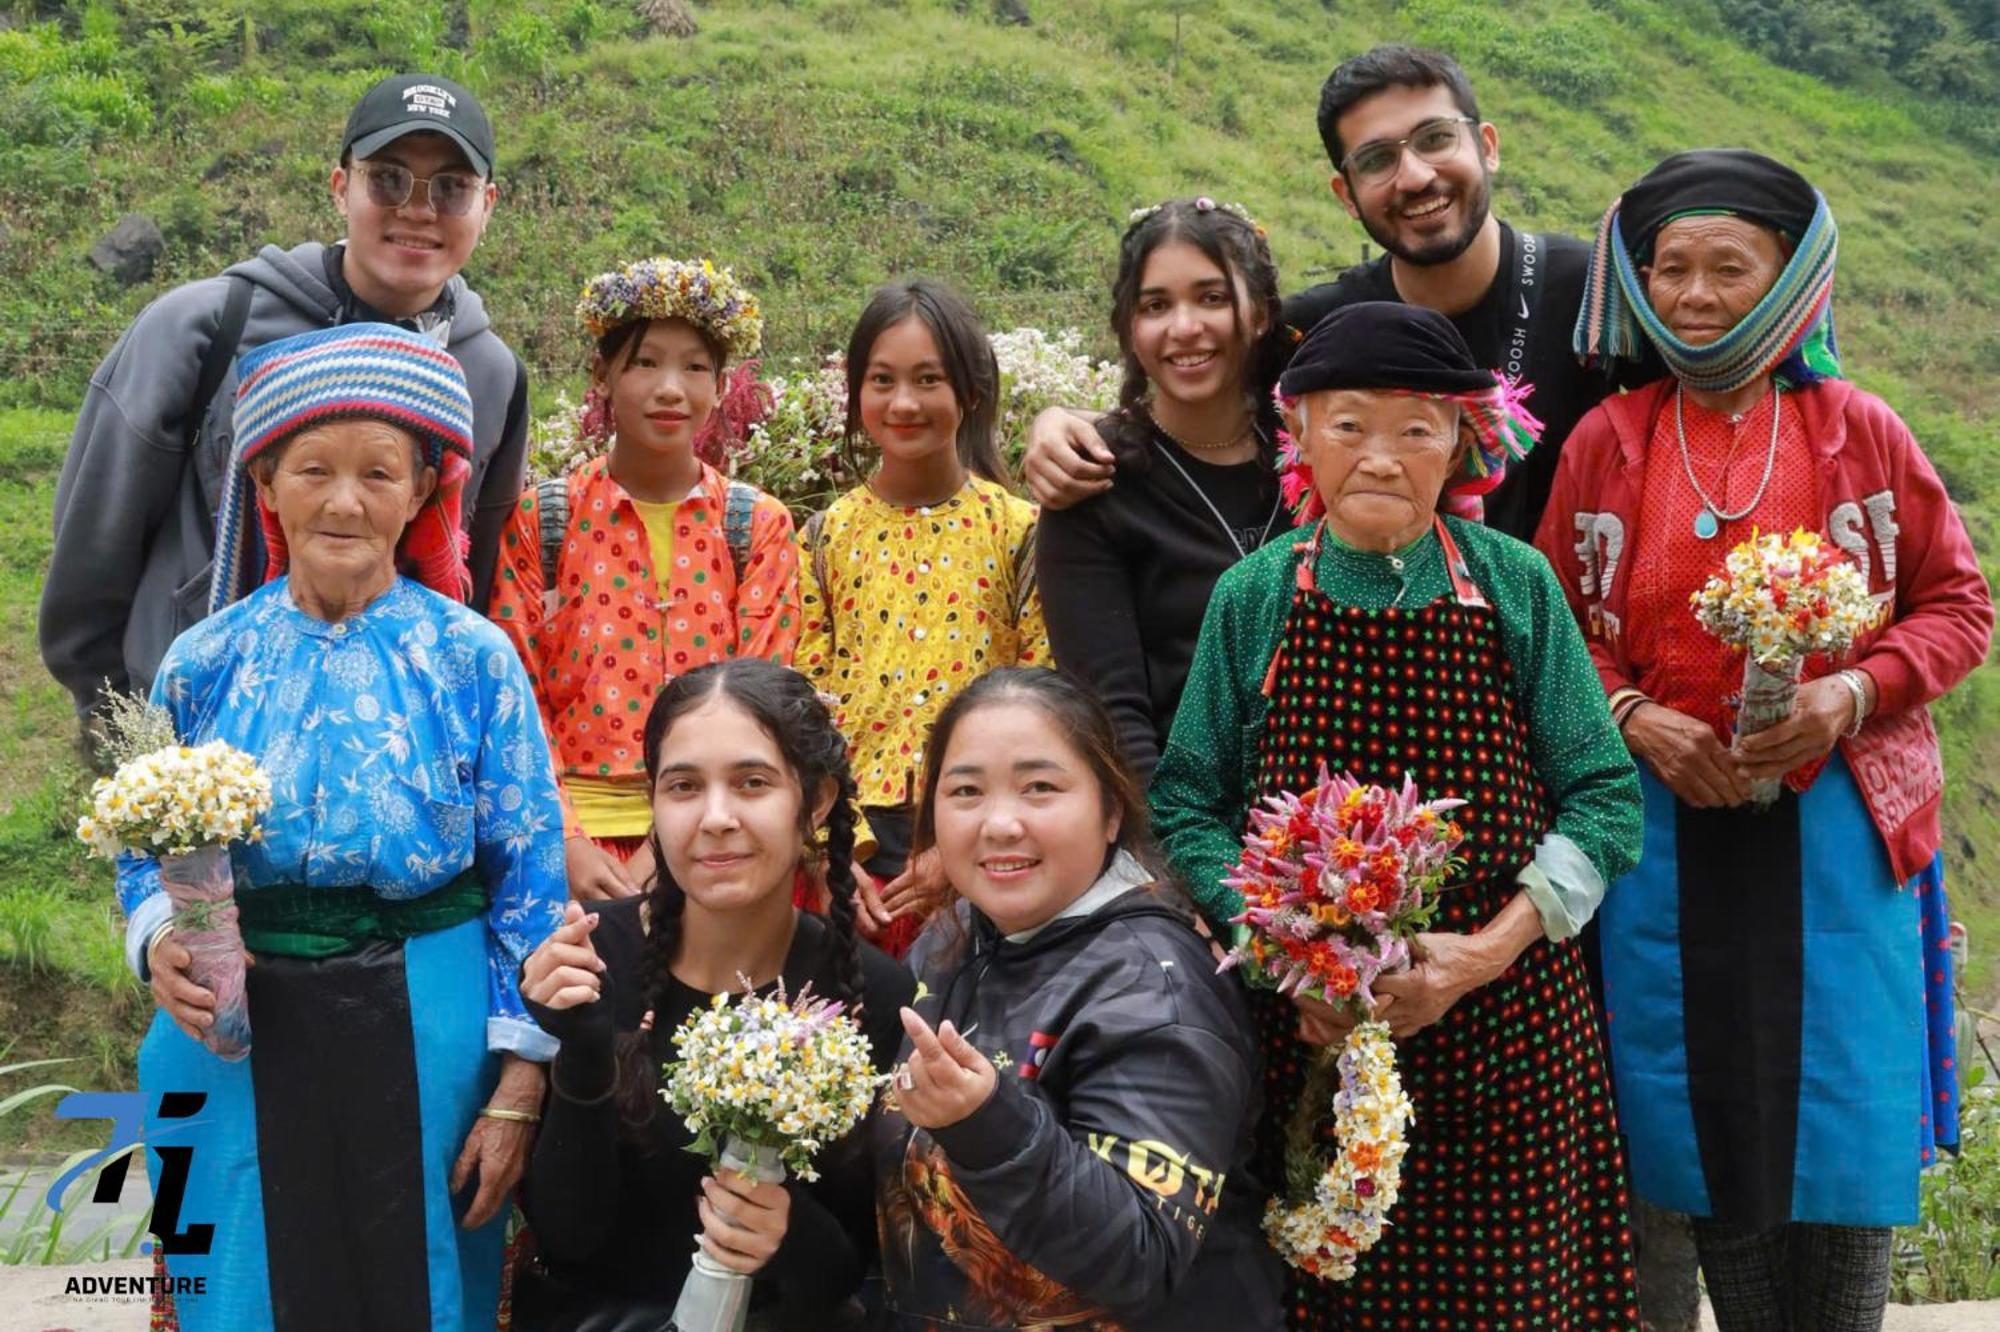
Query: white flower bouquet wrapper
(768, 1081)
(203, 889)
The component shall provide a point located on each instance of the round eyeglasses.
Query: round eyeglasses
(391, 185)
(1434, 141)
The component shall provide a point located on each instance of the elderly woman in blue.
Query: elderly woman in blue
(354, 1168)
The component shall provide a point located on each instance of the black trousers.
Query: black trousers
(1796, 1277)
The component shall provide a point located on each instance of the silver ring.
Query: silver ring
(905, 1081)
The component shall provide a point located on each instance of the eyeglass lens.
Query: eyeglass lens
(391, 186)
(1434, 141)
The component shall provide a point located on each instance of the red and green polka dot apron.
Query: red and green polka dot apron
(1512, 1212)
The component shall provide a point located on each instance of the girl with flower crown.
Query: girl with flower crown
(645, 562)
(1128, 572)
(922, 578)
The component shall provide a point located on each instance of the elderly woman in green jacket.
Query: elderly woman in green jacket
(1392, 641)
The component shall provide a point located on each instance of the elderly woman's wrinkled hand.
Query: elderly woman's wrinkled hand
(495, 1154)
(1685, 754)
(1323, 1024)
(1822, 714)
(870, 917)
(1444, 969)
(918, 889)
(191, 1007)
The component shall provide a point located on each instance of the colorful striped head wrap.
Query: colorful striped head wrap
(1387, 346)
(376, 372)
(1790, 331)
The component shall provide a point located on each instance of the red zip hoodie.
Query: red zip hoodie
(1882, 503)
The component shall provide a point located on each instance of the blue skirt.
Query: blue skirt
(323, 1169)
(1765, 994)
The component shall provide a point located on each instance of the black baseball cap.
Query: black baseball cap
(411, 103)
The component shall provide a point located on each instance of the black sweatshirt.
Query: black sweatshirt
(614, 1221)
(1105, 1182)
(1125, 576)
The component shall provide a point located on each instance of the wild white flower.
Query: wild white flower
(790, 1075)
(175, 800)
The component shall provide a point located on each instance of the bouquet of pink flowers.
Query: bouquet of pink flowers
(1335, 882)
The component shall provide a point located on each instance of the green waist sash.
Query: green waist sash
(292, 920)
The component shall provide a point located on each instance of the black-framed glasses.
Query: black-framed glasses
(391, 185)
(1434, 141)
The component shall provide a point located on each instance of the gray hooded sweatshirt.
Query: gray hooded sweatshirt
(135, 513)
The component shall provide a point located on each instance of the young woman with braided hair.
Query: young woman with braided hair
(746, 773)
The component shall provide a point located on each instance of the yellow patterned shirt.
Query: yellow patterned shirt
(903, 605)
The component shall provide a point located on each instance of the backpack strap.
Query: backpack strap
(737, 512)
(814, 540)
(221, 351)
(552, 511)
(231, 526)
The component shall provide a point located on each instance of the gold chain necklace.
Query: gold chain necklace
(1249, 423)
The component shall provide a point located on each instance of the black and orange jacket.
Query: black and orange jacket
(1104, 1184)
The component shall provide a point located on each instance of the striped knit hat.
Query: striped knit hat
(376, 372)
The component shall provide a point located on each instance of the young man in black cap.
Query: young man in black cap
(1413, 163)
(135, 507)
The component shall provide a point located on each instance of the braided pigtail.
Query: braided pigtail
(841, 910)
(788, 709)
(638, 1097)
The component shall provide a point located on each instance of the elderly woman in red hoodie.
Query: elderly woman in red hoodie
(1764, 971)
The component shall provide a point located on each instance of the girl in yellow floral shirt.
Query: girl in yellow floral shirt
(645, 563)
(921, 579)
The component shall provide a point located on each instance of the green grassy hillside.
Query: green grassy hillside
(822, 145)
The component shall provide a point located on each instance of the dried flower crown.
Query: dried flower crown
(692, 289)
(1202, 204)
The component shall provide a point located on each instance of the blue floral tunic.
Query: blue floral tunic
(403, 746)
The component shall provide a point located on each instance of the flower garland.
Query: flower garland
(1202, 204)
(1335, 882)
(1350, 1201)
(1784, 598)
(177, 800)
(691, 289)
(794, 1075)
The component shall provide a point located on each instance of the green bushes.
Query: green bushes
(1567, 55)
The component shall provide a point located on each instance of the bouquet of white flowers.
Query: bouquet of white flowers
(184, 805)
(763, 1083)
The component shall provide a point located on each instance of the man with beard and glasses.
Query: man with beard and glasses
(1414, 164)
(146, 540)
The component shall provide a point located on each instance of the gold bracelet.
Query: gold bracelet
(510, 1116)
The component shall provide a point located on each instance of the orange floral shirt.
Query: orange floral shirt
(620, 628)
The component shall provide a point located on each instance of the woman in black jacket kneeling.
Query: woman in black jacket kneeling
(1066, 1140)
(747, 772)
